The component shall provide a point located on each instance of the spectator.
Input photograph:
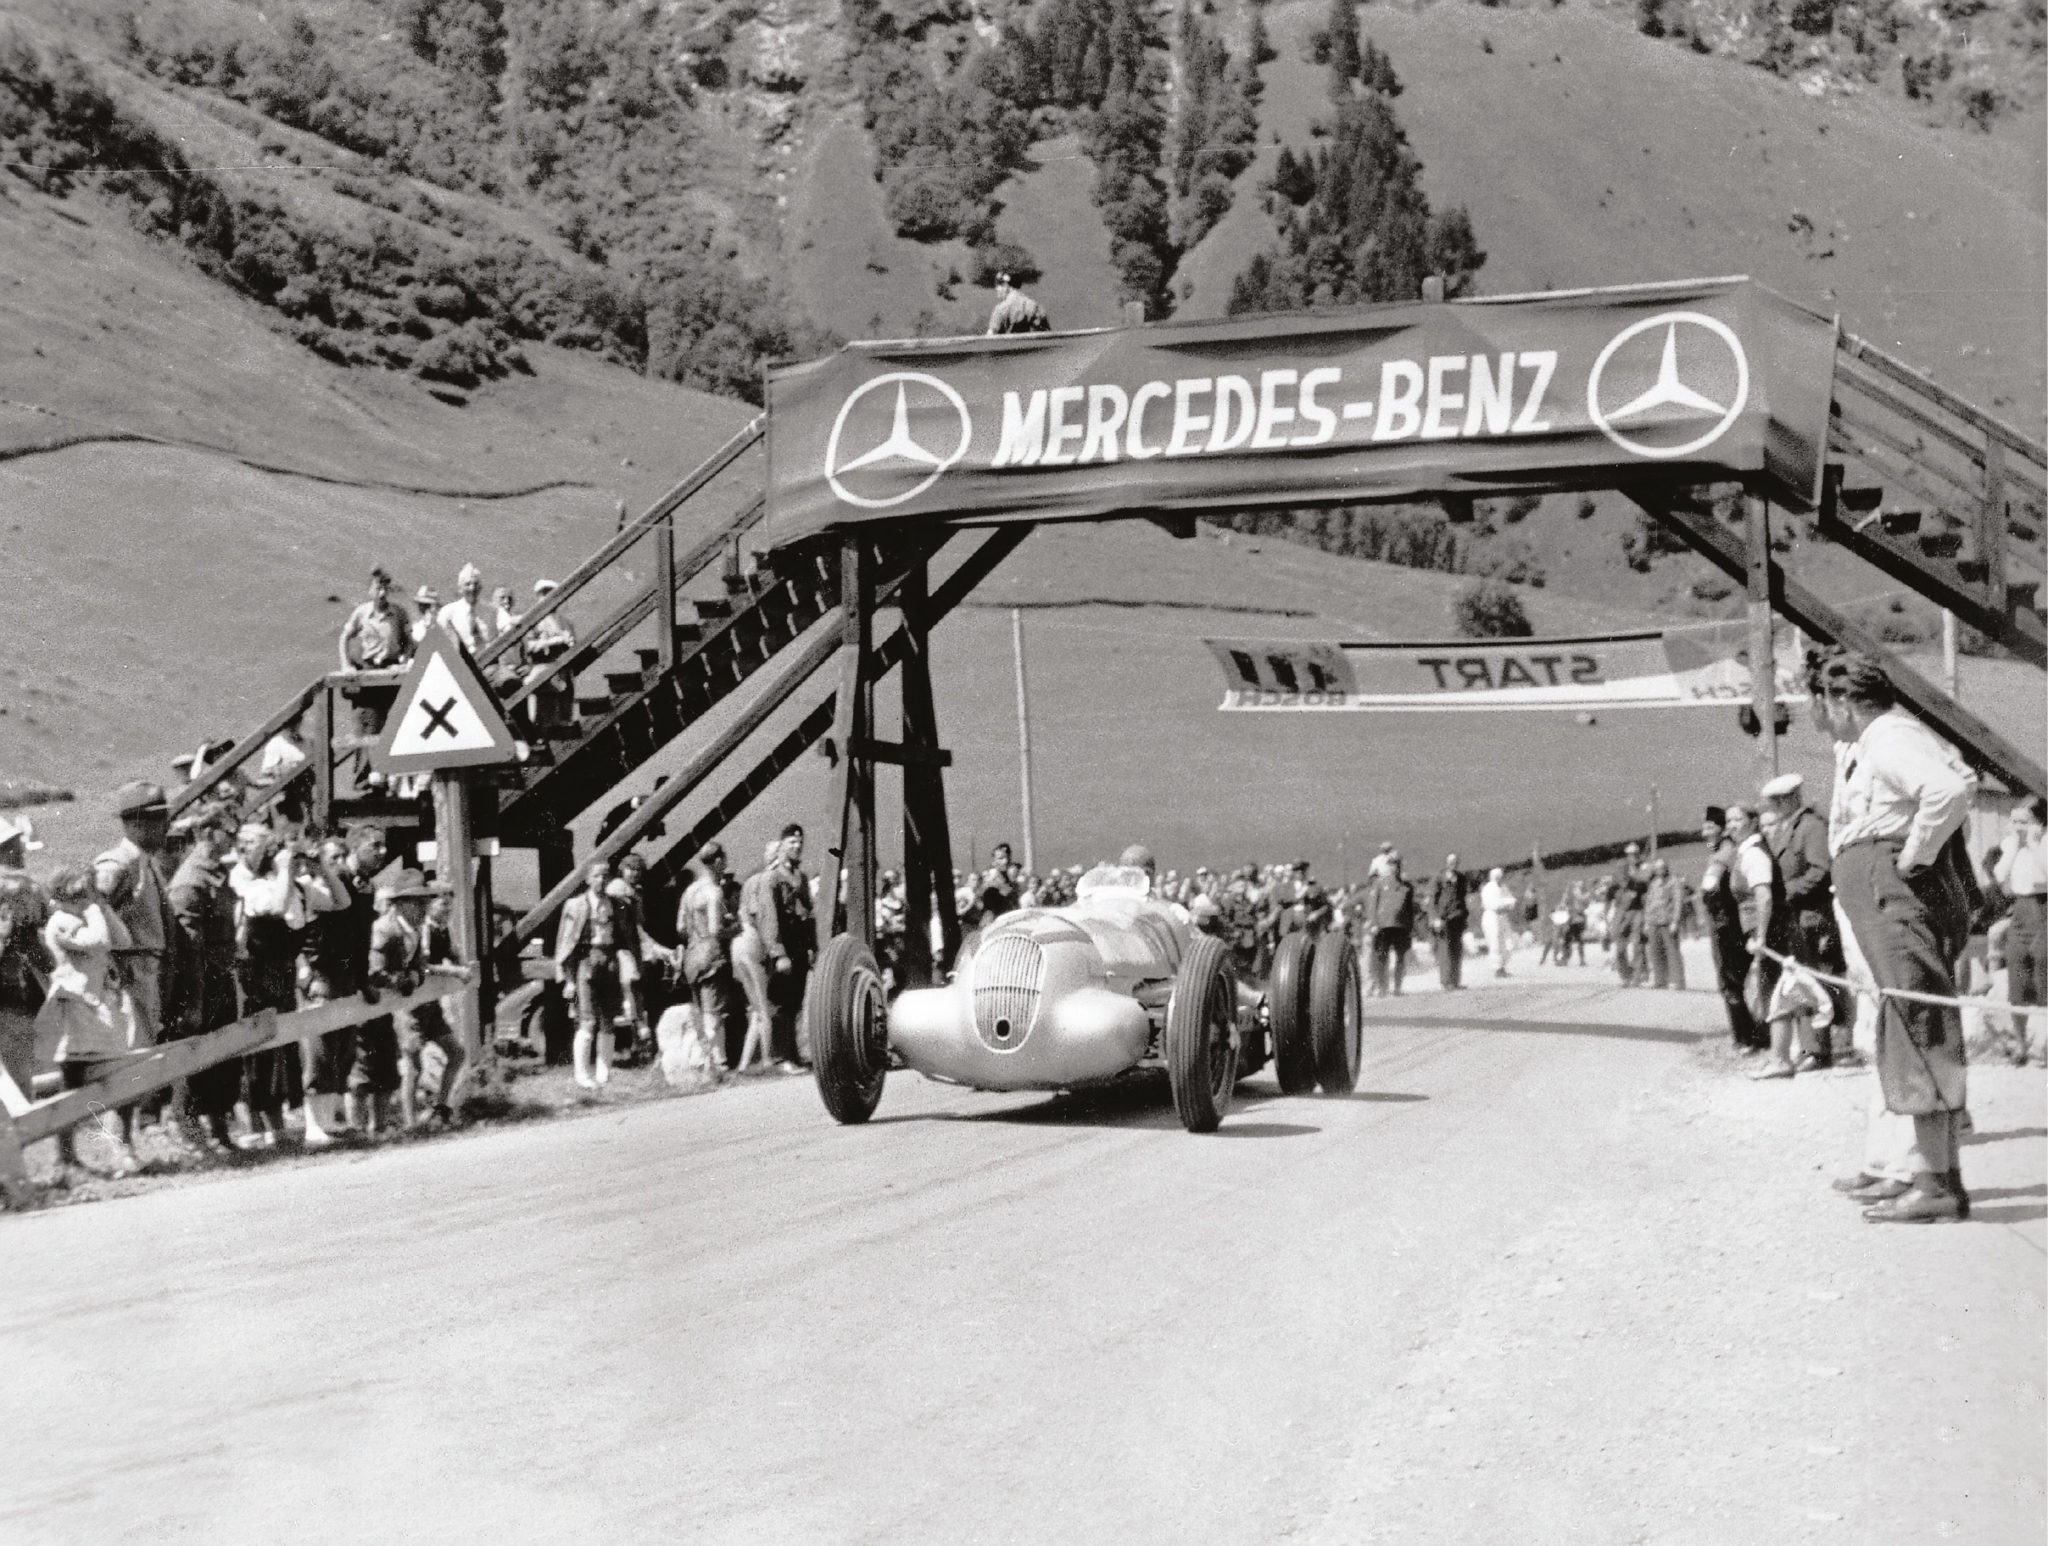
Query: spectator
(88, 1013)
(1450, 915)
(1574, 906)
(503, 618)
(586, 958)
(1663, 911)
(996, 889)
(24, 959)
(1240, 922)
(467, 617)
(790, 951)
(337, 966)
(398, 961)
(276, 897)
(204, 909)
(378, 635)
(1798, 839)
(1390, 912)
(550, 640)
(1625, 919)
(283, 758)
(131, 882)
(1901, 879)
(1497, 904)
(1016, 312)
(2021, 872)
(428, 600)
(707, 932)
(1723, 912)
(1760, 905)
(640, 956)
(752, 960)
(1310, 909)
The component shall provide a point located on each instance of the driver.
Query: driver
(1135, 871)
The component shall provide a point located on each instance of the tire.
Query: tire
(1294, 1055)
(847, 1008)
(1201, 1035)
(1333, 1014)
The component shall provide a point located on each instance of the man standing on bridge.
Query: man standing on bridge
(1015, 312)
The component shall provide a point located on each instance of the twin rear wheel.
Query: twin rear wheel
(1312, 1006)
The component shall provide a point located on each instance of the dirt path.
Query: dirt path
(1553, 1275)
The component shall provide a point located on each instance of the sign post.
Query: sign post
(447, 722)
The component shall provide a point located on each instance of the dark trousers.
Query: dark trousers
(788, 1038)
(1628, 945)
(1731, 972)
(1450, 954)
(1389, 959)
(1908, 933)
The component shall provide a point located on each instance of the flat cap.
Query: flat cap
(137, 798)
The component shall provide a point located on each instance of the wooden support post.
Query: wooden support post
(927, 843)
(850, 800)
(1991, 525)
(14, 1187)
(1949, 678)
(323, 757)
(1763, 666)
(452, 853)
(665, 594)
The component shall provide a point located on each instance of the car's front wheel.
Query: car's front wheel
(848, 1011)
(1201, 1035)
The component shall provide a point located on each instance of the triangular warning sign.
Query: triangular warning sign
(446, 715)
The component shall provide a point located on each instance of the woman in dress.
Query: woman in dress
(88, 1010)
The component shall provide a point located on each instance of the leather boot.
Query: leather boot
(1927, 1201)
(1955, 1185)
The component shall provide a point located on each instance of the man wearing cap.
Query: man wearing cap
(1015, 312)
(1390, 915)
(427, 601)
(204, 909)
(1631, 885)
(130, 879)
(24, 959)
(587, 962)
(1718, 901)
(1450, 914)
(378, 633)
(1760, 904)
(790, 950)
(1798, 836)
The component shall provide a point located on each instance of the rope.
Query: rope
(1869, 991)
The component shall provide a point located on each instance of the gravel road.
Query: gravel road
(1555, 1274)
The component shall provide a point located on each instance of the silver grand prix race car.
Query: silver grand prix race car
(1060, 998)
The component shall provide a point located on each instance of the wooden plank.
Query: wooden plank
(1874, 390)
(1991, 528)
(1919, 475)
(1763, 669)
(243, 750)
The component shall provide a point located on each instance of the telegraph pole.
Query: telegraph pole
(1023, 739)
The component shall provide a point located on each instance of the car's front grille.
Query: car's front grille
(1008, 972)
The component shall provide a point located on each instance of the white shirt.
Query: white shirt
(1900, 779)
(2022, 871)
(470, 624)
(1753, 862)
(1495, 897)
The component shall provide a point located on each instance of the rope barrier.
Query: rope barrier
(1868, 991)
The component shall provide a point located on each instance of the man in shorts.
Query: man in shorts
(398, 964)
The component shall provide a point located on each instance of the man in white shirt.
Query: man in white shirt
(467, 617)
(1901, 796)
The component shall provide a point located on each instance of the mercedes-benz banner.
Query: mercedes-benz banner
(1707, 379)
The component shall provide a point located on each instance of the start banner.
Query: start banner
(1705, 663)
(1707, 379)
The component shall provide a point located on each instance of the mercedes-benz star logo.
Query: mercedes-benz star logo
(885, 466)
(1670, 407)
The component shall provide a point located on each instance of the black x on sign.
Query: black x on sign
(446, 715)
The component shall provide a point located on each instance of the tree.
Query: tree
(1345, 58)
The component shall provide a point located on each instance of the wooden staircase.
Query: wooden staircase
(1941, 496)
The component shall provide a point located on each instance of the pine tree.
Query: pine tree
(1345, 59)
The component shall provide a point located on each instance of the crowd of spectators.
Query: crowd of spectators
(181, 928)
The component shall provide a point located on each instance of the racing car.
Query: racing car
(1062, 998)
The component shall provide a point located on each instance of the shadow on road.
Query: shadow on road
(1391, 1097)
(2011, 1132)
(1231, 1129)
(1567, 1028)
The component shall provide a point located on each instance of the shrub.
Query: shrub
(1490, 609)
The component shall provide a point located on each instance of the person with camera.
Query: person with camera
(279, 886)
